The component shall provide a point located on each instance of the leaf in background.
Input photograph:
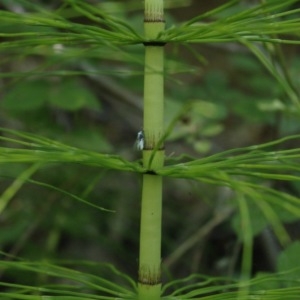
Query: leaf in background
(289, 263)
(258, 221)
(208, 109)
(212, 129)
(72, 95)
(26, 96)
(202, 146)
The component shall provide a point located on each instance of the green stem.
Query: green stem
(149, 286)
(150, 239)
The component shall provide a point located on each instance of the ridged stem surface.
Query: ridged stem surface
(149, 286)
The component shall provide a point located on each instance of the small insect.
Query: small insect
(140, 141)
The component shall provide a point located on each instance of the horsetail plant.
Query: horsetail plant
(149, 277)
(244, 171)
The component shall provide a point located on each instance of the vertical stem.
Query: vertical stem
(149, 286)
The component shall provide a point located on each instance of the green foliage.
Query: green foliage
(64, 40)
(46, 150)
(288, 264)
(79, 284)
